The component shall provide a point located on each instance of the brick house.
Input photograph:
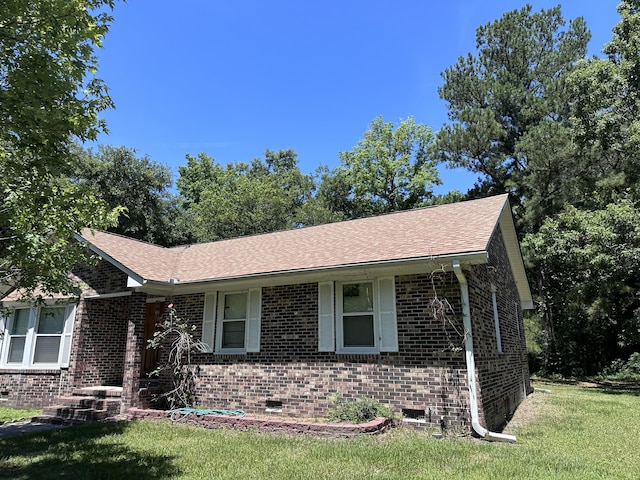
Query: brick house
(421, 309)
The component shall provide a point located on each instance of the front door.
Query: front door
(151, 356)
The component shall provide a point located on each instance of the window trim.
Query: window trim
(213, 319)
(27, 363)
(220, 321)
(385, 318)
(340, 314)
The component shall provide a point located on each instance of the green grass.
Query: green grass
(13, 414)
(576, 432)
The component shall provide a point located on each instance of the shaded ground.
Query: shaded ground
(12, 429)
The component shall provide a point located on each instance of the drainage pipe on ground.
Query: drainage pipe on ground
(471, 364)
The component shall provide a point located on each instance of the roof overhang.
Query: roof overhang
(134, 279)
(512, 246)
(362, 270)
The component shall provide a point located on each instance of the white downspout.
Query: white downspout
(471, 364)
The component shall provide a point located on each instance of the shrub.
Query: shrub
(621, 370)
(360, 410)
(177, 335)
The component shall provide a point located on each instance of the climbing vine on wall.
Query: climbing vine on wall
(444, 314)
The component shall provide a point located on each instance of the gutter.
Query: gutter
(471, 364)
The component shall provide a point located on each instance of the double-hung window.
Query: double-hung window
(357, 316)
(38, 337)
(232, 319)
(357, 329)
(231, 322)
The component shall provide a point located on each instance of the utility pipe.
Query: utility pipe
(471, 364)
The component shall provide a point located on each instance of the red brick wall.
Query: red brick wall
(99, 342)
(97, 351)
(503, 378)
(32, 388)
(428, 374)
(101, 278)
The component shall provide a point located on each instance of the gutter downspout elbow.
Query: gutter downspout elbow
(471, 364)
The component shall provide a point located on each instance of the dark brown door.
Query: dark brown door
(151, 356)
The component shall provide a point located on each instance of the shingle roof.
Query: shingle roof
(458, 228)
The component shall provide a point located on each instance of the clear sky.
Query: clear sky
(234, 77)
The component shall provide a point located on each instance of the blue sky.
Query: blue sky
(233, 78)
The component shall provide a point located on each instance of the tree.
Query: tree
(48, 100)
(592, 260)
(388, 170)
(245, 198)
(196, 176)
(606, 109)
(586, 258)
(141, 186)
(512, 96)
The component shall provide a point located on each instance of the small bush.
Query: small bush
(360, 410)
(621, 370)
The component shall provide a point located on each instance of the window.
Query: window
(38, 337)
(361, 314)
(233, 317)
(234, 325)
(356, 316)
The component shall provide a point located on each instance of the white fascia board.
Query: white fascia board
(108, 295)
(368, 270)
(512, 246)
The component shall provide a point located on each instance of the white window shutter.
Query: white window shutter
(326, 321)
(253, 320)
(387, 313)
(3, 323)
(209, 320)
(67, 335)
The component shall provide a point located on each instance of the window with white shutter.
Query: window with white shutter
(358, 317)
(235, 328)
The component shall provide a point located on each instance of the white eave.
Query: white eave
(509, 235)
(371, 269)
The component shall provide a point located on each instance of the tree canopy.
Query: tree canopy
(509, 96)
(391, 168)
(240, 198)
(592, 285)
(587, 255)
(49, 98)
(141, 187)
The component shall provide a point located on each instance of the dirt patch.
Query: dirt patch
(532, 408)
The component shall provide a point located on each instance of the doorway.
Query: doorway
(151, 356)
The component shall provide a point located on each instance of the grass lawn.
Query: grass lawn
(13, 414)
(576, 432)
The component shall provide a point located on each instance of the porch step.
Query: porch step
(99, 392)
(91, 404)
